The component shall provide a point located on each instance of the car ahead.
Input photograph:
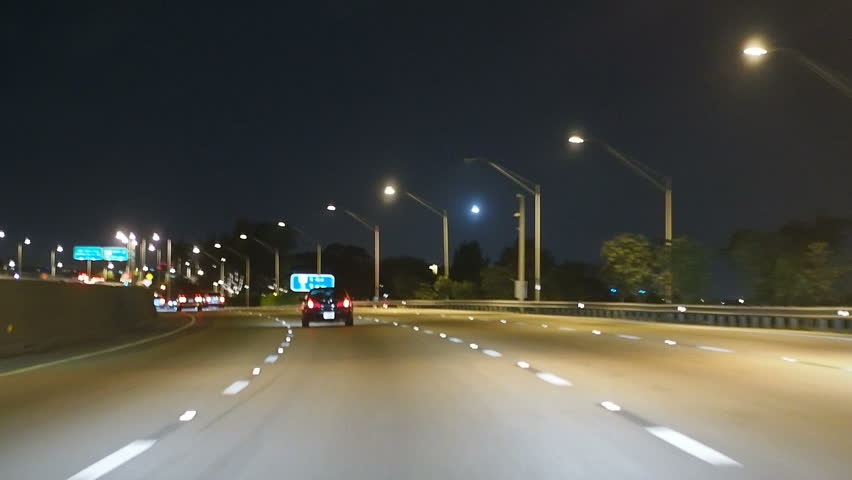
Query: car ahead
(190, 301)
(214, 300)
(327, 305)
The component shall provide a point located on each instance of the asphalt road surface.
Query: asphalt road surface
(436, 395)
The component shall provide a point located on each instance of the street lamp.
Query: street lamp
(375, 228)
(248, 269)
(755, 51)
(274, 251)
(390, 191)
(302, 232)
(53, 264)
(661, 182)
(535, 190)
(21, 254)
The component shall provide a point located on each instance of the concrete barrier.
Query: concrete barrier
(38, 315)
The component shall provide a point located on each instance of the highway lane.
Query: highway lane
(393, 401)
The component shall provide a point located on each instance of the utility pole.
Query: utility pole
(169, 268)
(521, 286)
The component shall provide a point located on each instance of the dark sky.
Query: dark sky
(182, 118)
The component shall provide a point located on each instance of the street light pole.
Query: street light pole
(375, 229)
(823, 72)
(248, 281)
(521, 290)
(53, 263)
(390, 190)
(277, 274)
(319, 258)
(169, 268)
(535, 190)
(20, 258)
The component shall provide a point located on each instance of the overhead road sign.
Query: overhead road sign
(116, 254)
(85, 252)
(305, 282)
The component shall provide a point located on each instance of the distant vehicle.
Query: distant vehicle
(190, 301)
(159, 302)
(214, 300)
(327, 305)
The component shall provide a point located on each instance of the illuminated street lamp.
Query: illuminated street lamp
(661, 182)
(390, 191)
(195, 249)
(21, 254)
(53, 264)
(756, 51)
(274, 252)
(2, 234)
(281, 224)
(302, 232)
(155, 237)
(248, 269)
(243, 236)
(375, 228)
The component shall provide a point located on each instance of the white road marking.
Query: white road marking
(187, 415)
(596, 332)
(428, 332)
(715, 349)
(692, 446)
(280, 350)
(543, 325)
(395, 324)
(99, 352)
(522, 364)
(474, 346)
(553, 379)
(567, 329)
(289, 332)
(255, 371)
(416, 329)
(271, 359)
(502, 320)
(235, 387)
(287, 339)
(612, 407)
(442, 335)
(629, 337)
(285, 344)
(470, 318)
(670, 342)
(113, 460)
(455, 340)
(789, 359)
(492, 353)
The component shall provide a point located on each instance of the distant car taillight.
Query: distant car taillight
(346, 303)
(222, 299)
(198, 299)
(310, 303)
(208, 299)
(181, 299)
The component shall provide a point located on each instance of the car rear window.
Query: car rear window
(320, 293)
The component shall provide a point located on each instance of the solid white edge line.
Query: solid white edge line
(99, 352)
(692, 446)
(235, 387)
(113, 460)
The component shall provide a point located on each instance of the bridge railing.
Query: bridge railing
(836, 319)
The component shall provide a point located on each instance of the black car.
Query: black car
(327, 305)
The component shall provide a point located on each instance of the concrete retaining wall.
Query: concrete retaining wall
(38, 315)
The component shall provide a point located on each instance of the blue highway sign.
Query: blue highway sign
(88, 253)
(305, 282)
(116, 254)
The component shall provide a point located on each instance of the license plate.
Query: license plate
(328, 315)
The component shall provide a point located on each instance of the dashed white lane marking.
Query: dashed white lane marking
(427, 332)
(567, 329)
(255, 371)
(692, 446)
(629, 337)
(113, 460)
(455, 340)
(235, 387)
(474, 346)
(285, 344)
(789, 359)
(395, 324)
(596, 332)
(715, 349)
(442, 335)
(416, 328)
(553, 379)
(543, 325)
(187, 415)
(270, 359)
(503, 320)
(287, 339)
(492, 353)
(280, 350)
(522, 364)
(612, 407)
(670, 342)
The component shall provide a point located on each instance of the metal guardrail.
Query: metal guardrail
(835, 319)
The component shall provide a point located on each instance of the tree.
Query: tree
(498, 282)
(468, 263)
(401, 276)
(689, 271)
(352, 268)
(628, 263)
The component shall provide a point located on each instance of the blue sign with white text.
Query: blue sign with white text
(116, 254)
(88, 253)
(305, 282)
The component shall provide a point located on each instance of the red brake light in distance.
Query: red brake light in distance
(222, 299)
(346, 303)
(182, 299)
(310, 303)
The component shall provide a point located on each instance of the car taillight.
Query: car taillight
(346, 303)
(310, 303)
(208, 299)
(198, 299)
(182, 299)
(222, 299)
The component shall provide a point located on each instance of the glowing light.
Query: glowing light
(442, 335)
(280, 350)
(475, 209)
(151, 247)
(155, 237)
(11, 264)
(195, 249)
(243, 236)
(282, 224)
(843, 313)
(741, 300)
(331, 208)
(255, 371)
(576, 139)
(201, 272)
(2, 234)
(755, 51)
(670, 342)
(59, 249)
(596, 332)
(389, 190)
(681, 308)
(217, 245)
(27, 241)
(110, 265)
(474, 346)
(162, 287)
(59, 265)
(581, 305)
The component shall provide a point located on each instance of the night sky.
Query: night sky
(182, 118)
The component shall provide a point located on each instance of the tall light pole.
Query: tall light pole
(53, 253)
(247, 260)
(756, 51)
(283, 224)
(274, 252)
(535, 190)
(390, 191)
(661, 182)
(375, 229)
(521, 287)
(26, 241)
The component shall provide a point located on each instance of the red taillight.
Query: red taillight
(310, 303)
(198, 299)
(182, 299)
(222, 299)
(346, 303)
